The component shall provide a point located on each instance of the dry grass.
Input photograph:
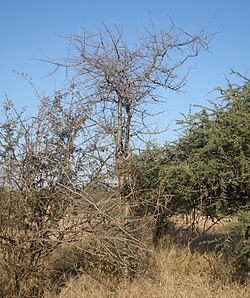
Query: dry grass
(173, 272)
(174, 269)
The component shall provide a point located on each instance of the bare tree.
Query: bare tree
(120, 81)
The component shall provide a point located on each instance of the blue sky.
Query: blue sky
(29, 29)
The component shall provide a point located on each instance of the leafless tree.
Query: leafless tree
(121, 81)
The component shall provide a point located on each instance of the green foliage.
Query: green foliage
(218, 151)
(244, 218)
(208, 168)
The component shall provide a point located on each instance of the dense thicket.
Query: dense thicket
(208, 168)
(70, 178)
(63, 171)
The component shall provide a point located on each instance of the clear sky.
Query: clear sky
(29, 29)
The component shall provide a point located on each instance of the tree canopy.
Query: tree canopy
(208, 167)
